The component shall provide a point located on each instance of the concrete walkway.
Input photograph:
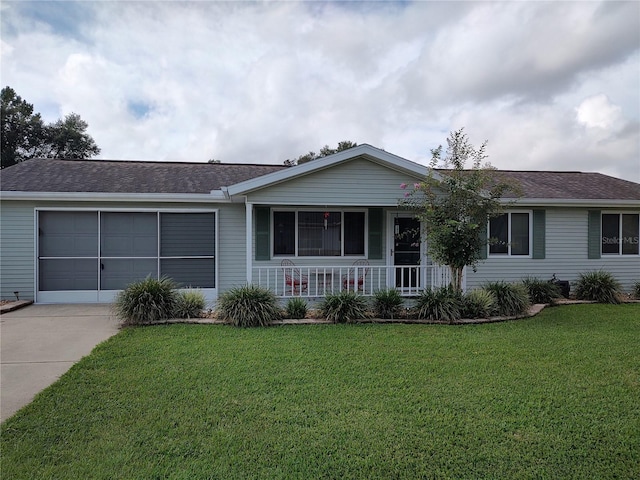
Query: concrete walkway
(39, 343)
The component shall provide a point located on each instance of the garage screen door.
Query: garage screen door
(84, 251)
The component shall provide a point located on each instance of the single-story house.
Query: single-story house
(81, 230)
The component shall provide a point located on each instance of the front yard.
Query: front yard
(552, 396)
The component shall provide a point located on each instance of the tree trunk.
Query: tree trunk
(456, 278)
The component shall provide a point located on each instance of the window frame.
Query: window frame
(620, 253)
(342, 211)
(508, 254)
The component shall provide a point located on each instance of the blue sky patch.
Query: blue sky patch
(65, 19)
(139, 109)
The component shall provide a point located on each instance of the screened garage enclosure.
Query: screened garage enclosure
(88, 256)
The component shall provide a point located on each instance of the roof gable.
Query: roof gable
(361, 151)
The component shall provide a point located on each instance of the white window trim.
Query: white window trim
(509, 254)
(317, 209)
(619, 213)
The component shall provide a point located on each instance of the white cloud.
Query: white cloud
(549, 85)
(598, 111)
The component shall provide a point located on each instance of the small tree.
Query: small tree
(455, 203)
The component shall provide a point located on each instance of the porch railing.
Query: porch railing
(317, 281)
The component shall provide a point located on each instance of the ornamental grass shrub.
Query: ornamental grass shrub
(344, 307)
(510, 299)
(441, 304)
(147, 301)
(387, 304)
(478, 303)
(189, 304)
(635, 290)
(296, 308)
(598, 286)
(541, 291)
(248, 306)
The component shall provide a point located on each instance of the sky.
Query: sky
(549, 85)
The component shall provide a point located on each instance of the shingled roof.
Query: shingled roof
(572, 185)
(107, 176)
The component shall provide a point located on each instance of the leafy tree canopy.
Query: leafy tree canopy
(455, 203)
(25, 135)
(324, 151)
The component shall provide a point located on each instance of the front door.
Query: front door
(406, 253)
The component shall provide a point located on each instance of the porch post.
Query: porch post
(248, 240)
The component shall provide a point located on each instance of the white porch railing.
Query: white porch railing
(317, 281)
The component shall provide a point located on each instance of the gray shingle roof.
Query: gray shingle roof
(107, 176)
(573, 185)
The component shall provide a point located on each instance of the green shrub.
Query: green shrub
(598, 286)
(635, 290)
(510, 298)
(478, 303)
(147, 301)
(541, 291)
(344, 307)
(189, 304)
(387, 303)
(296, 308)
(248, 306)
(442, 304)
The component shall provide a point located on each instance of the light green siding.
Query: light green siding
(17, 247)
(354, 183)
(232, 247)
(567, 245)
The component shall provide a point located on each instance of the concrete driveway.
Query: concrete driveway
(41, 342)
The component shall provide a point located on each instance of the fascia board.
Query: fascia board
(214, 196)
(571, 202)
(367, 151)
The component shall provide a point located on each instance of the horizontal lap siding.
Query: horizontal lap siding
(566, 256)
(17, 247)
(358, 182)
(232, 255)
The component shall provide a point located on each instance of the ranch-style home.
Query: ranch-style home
(81, 230)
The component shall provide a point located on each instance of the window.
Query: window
(620, 233)
(307, 233)
(510, 234)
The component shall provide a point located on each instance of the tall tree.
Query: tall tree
(68, 139)
(324, 151)
(23, 132)
(456, 206)
(25, 136)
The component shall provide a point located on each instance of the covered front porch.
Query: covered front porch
(291, 280)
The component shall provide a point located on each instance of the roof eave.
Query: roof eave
(215, 196)
(574, 202)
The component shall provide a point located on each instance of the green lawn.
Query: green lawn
(555, 396)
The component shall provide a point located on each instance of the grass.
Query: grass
(555, 396)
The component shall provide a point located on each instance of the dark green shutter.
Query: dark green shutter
(375, 233)
(263, 234)
(539, 234)
(482, 233)
(594, 234)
